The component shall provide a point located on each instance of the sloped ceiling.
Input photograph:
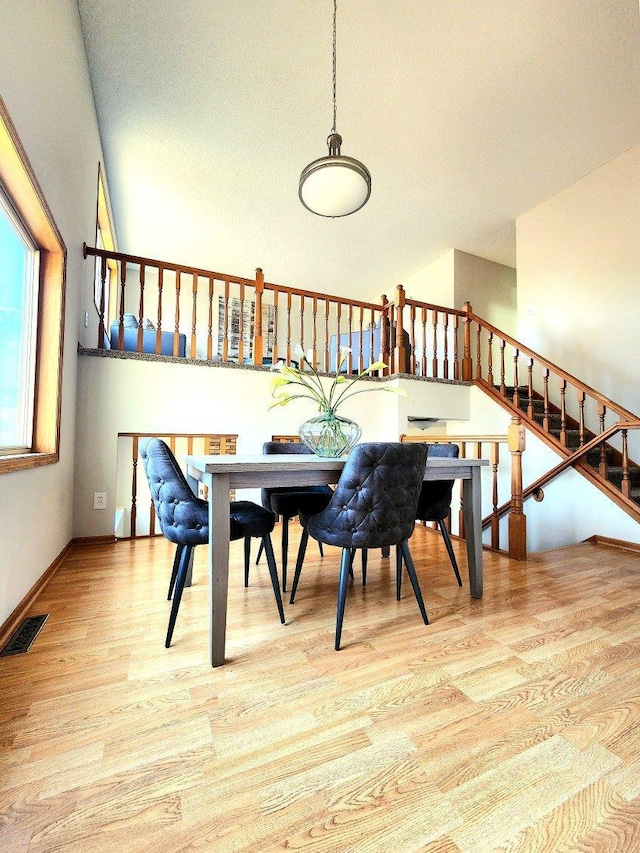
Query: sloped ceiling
(468, 113)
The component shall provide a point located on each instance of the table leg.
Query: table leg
(219, 530)
(472, 509)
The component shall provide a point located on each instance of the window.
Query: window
(32, 273)
(18, 323)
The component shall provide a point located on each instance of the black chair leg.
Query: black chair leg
(273, 573)
(452, 556)
(177, 594)
(320, 548)
(364, 566)
(411, 571)
(174, 570)
(247, 557)
(302, 550)
(343, 583)
(285, 549)
(398, 573)
(260, 550)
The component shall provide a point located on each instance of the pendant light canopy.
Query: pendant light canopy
(334, 185)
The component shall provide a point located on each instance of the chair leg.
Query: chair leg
(260, 550)
(247, 557)
(352, 557)
(364, 566)
(398, 573)
(285, 549)
(302, 550)
(452, 556)
(411, 571)
(177, 594)
(174, 570)
(273, 573)
(343, 583)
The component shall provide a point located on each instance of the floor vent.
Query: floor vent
(22, 639)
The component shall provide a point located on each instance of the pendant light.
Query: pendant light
(335, 185)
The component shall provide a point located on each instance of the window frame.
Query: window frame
(21, 187)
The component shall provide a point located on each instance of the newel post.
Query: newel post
(467, 366)
(517, 518)
(400, 351)
(257, 336)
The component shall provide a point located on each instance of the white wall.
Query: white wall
(579, 278)
(44, 83)
(125, 395)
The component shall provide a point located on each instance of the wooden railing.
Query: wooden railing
(488, 447)
(132, 491)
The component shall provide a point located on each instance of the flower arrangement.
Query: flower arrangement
(327, 434)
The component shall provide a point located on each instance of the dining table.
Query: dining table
(221, 474)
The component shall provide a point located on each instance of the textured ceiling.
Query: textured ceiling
(467, 113)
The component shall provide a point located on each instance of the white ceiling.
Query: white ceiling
(467, 113)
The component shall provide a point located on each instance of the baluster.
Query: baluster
(456, 351)
(479, 353)
(495, 521)
(141, 280)
(434, 360)
(581, 397)
(301, 313)
(361, 364)
(225, 339)
(274, 356)
(423, 361)
(545, 379)
(516, 382)
(134, 488)
(530, 388)
(503, 386)
(314, 332)
(327, 365)
(258, 333)
(626, 485)
(490, 359)
(289, 327)
(194, 313)
(445, 367)
(176, 331)
(338, 318)
(103, 290)
(350, 338)
(602, 465)
(563, 413)
(210, 320)
(159, 319)
(372, 321)
(241, 326)
(412, 339)
(123, 283)
(466, 358)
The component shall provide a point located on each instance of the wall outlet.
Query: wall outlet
(99, 500)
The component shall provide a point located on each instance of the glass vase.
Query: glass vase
(329, 434)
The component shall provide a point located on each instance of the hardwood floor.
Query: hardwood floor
(508, 724)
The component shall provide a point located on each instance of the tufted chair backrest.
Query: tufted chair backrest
(435, 499)
(184, 518)
(375, 501)
(275, 447)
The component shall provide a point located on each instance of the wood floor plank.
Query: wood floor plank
(508, 724)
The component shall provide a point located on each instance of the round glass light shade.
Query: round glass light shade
(335, 186)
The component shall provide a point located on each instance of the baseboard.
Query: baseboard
(94, 540)
(10, 625)
(614, 543)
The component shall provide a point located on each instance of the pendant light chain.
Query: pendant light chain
(335, 12)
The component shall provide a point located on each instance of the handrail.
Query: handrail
(570, 461)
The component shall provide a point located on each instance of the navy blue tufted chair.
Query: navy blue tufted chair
(184, 520)
(373, 506)
(289, 501)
